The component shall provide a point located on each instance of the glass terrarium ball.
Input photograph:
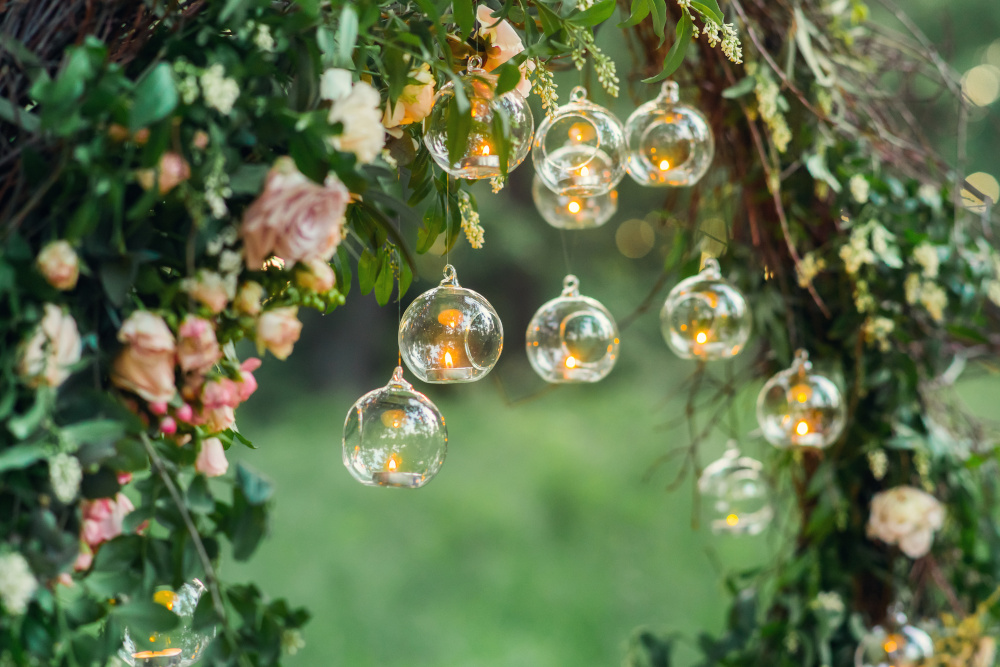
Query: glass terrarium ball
(800, 408)
(580, 149)
(450, 334)
(704, 317)
(179, 647)
(735, 494)
(572, 338)
(901, 645)
(394, 436)
(669, 143)
(480, 157)
(573, 212)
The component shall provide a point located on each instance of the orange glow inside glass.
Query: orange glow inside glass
(165, 653)
(802, 428)
(571, 362)
(450, 318)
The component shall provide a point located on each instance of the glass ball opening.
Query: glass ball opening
(573, 212)
(180, 647)
(394, 436)
(905, 646)
(705, 317)
(450, 334)
(669, 144)
(580, 150)
(798, 408)
(736, 496)
(480, 156)
(572, 338)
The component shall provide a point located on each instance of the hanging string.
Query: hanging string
(399, 298)
(565, 247)
(447, 219)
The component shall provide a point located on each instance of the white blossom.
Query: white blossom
(828, 601)
(17, 583)
(470, 221)
(334, 84)
(926, 255)
(360, 114)
(934, 299)
(856, 253)
(877, 330)
(220, 92)
(878, 463)
(263, 38)
(859, 188)
(906, 516)
(809, 268)
(65, 475)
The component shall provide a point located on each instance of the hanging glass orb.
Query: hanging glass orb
(179, 647)
(479, 157)
(897, 645)
(669, 143)
(450, 334)
(735, 494)
(572, 212)
(799, 408)
(572, 338)
(579, 151)
(394, 436)
(704, 317)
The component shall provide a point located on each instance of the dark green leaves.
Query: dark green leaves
(465, 16)
(509, 77)
(256, 489)
(640, 10)
(144, 618)
(675, 56)
(155, 97)
(709, 10)
(599, 13)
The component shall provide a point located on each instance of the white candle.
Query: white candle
(388, 478)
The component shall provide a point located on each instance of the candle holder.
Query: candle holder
(450, 334)
(669, 144)
(800, 408)
(735, 494)
(571, 212)
(394, 436)
(180, 647)
(897, 644)
(579, 151)
(704, 317)
(572, 338)
(480, 157)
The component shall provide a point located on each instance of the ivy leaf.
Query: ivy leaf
(465, 16)
(675, 56)
(155, 97)
(599, 13)
(640, 10)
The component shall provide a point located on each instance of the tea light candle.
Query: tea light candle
(391, 476)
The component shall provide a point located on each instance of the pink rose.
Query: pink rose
(219, 393)
(47, 357)
(197, 349)
(504, 40)
(211, 460)
(84, 558)
(315, 275)
(294, 218)
(146, 364)
(248, 383)
(172, 171)
(209, 288)
(102, 519)
(217, 419)
(277, 331)
(414, 102)
(59, 264)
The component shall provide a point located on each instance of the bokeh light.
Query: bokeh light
(981, 85)
(986, 184)
(635, 238)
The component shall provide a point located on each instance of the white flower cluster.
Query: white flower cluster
(928, 294)
(926, 255)
(357, 107)
(769, 104)
(65, 475)
(868, 244)
(908, 517)
(220, 92)
(878, 463)
(217, 188)
(545, 87)
(607, 74)
(859, 188)
(17, 583)
(809, 268)
(877, 331)
(828, 601)
(263, 38)
(856, 252)
(470, 221)
(731, 47)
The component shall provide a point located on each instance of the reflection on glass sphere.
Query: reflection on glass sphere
(579, 151)
(450, 334)
(669, 143)
(799, 408)
(480, 157)
(394, 436)
(704, 317)
(572, 338)
(179, 647)
(573, 212)
(897, 645)
(735, 494)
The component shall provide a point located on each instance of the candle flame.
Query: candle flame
(664, 165)
(574, 207)
(802, 428)
(701, 337)
(447, 360)
(570, 362)
(157, 654)
(584, 171)
(801, 392)
(732, 519)
(486, 149)
(392, 463)
(891, 646)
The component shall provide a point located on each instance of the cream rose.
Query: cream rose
(47, 357)
(248, 299)
(59, 264)
(294, 218)
(209, 288)
(197, 347)
(504, 40)
(334, 84)
(906, 516)
(277, 331)
(172, 170)
(211, 460)
(414, 102)
(315, 275)
(359, 112)
(146, 364)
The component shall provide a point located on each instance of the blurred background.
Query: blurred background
(550, 534)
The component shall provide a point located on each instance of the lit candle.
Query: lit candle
(481, 157)
(584, 176)
(571, 362)
(732, 519)
(573, 207)
(801, 393)
(392, 476)
(664, 165)
(802, 428)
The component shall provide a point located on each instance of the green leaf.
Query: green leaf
(551, 23)
(740, 88)
(17, 116)
(24, 425)
(367, 271)
(659, 10)
(256, 488)
(347, 33)
(155, 97)
(405, 278)
(675, 56)
(509, 77)
(465, 16)
(640, 10)
(709, 9)
(117, 554)
(459, 127)
(384, 283)
(599, 13)
(248, 179)
(146, 617)
(21, 456)
(199, 498)
(94, 431)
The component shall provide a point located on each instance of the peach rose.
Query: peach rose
(315, 275)
(504, 40)
(524, 85)
(294, 218)
(360, 115)
(146, 363)
(277, 331)
(210, 289)
(414, 102)
(248, 299)
(211, 460)
(59, 264)
(217, 419)
(172, 171)
(220, 392)
(47, 357)
(197, 347)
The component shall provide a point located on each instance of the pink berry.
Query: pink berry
(158, 408)
(185, 413)
(168, 426)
